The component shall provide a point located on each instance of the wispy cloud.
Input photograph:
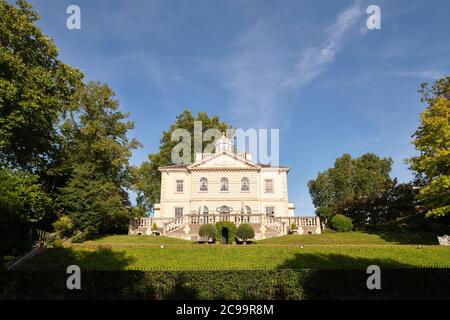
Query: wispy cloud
(424, 74)
(262, 71)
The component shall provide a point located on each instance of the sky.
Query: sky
(311, 69)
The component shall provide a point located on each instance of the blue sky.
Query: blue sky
(309, 68)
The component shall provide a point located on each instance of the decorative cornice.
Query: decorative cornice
(229, 154)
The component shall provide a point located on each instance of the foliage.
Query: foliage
(230, 226)
(397, 201)
(154, 226)
(95, 195)
(208, 232)
(36, 89)
(349, 179)
(341, 223)
(432, 140)
(63, 226)
(58, 243)
(22, 192)
(325, 214)
(294, 226)
(148, 177)
(245, 232)
(23, 206)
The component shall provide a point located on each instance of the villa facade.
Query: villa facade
(224, 186)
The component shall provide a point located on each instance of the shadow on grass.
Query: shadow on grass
(406, 237)
(348, 278)
(305, 276)
(102, 258)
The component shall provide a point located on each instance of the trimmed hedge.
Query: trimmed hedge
(225, 284)
(207, 232)
(245, 232)
(341, 223)
(231, 230)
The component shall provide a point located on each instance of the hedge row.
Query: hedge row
(220, 284)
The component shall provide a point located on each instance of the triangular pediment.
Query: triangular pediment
(224, 160)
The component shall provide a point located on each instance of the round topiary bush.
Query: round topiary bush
(245, 232)
(341, 223)
(208, 232)
(226, 228)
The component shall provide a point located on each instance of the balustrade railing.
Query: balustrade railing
(171, 224)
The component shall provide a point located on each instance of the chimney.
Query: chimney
(198, 156)
(248, 156)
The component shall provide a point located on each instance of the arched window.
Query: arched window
(248, 209)
(224, 184)
(205, 210)
(203, 184)
(245, 184)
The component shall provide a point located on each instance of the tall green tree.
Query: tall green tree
(99, 150)
(36, 89)
(351, 178)
(148, 177)
(432, 140)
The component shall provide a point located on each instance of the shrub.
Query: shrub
(341, 223)
(294, 226)
(63, 226)
(245, 232)
(57, 243)
(154, 226)
(208, 232)
(230, 226)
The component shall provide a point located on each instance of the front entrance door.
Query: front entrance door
(224, 235)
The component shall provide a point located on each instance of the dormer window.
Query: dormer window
(224, 184)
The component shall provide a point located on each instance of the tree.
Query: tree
(208, 232)
(350, 180)
(148, 177)
(432, 140)
(23, 205)
(95, 195)
(36, 89)
(325, 214)
(245, 232)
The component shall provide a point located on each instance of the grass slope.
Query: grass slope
(355, 238)
(329, 250)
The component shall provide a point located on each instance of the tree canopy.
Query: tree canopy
(36, 89)
(432, 140)
(148, 177)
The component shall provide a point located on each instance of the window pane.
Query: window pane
(224, 184)
(179, 185)
(245, 184)
(203, 184)
(269, 185)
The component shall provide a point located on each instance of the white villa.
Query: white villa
(224, 186)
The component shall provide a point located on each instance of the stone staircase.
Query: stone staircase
(187, 226)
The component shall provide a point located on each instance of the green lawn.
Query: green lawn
(240, 257)
(355, 238)
(329, 250)
(119, 240)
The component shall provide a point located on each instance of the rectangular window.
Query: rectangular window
(180, 186)
(178, 212)
(270, 211)
(269, 186)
